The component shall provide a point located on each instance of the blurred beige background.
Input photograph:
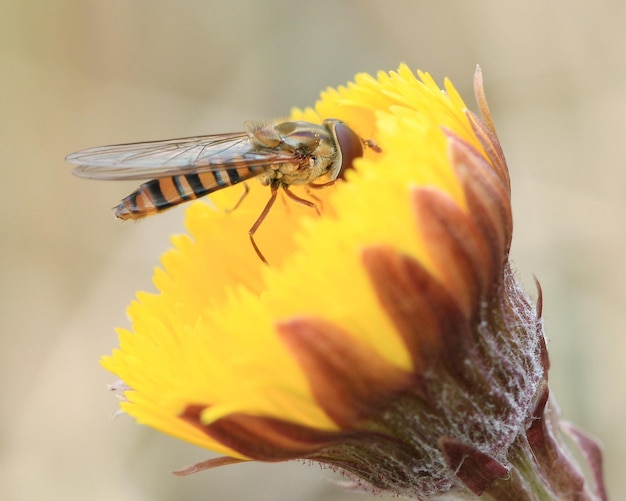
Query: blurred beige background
(75, 74)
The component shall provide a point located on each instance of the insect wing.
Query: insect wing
(159, 159)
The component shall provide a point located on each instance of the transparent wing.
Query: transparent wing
(157, 159)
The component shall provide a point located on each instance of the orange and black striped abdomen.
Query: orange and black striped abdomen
(161, 194)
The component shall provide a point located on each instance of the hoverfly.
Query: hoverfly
(280, 154)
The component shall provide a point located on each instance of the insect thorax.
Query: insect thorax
(312, 144)
(307, 171)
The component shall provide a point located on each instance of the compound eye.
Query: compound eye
(349, 147)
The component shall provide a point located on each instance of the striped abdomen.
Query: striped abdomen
(161, 194)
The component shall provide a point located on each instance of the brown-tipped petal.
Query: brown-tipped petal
(207, 465)
(348, 379)
(262, 438)
(487, 198)
(456, 247)
(475, 469)
(490, 142)
(430, 321)
(481, 99)
(485, 130)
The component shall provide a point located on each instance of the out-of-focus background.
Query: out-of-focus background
(75, 74)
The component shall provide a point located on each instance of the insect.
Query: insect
(279, 153)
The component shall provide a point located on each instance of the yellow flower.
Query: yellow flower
(374, 340)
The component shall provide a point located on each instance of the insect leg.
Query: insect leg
(321, 185)
(246, 190)
(318, 201)
(302, 201)
(261, 218)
